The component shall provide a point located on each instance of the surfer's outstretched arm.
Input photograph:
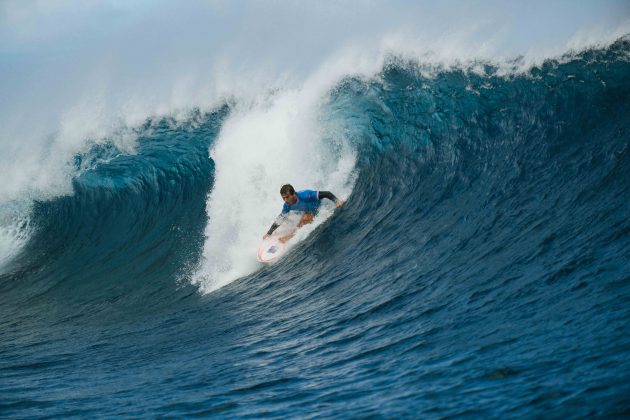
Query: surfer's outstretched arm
(275, 225)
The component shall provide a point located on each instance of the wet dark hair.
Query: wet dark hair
(287, 189)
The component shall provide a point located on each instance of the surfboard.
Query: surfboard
(271, 249)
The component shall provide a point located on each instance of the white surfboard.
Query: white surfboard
(271, 249)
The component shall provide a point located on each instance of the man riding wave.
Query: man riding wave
(305, 201)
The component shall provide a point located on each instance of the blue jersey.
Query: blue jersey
(307, 201)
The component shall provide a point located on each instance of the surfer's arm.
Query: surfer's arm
(272, 228)
(275, 224)
(331, 197)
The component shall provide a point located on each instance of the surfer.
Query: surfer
(306, 201)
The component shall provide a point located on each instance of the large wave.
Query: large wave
(412, 137)
(64, 94)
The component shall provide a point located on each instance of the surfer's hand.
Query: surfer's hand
(340, 203)
(265, 236)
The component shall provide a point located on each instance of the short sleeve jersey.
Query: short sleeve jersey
(307, 201)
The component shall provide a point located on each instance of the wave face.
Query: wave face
(479, 268)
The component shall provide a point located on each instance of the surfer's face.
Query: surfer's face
(289, 198)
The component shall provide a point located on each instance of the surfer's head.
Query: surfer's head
(288, 194)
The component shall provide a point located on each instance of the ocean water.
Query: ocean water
(480, 267)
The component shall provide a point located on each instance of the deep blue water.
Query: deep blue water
(480, 268)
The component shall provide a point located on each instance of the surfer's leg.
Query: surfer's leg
(285, 238)
(306, 219)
